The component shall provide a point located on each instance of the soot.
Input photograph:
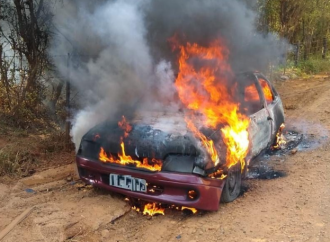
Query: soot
(264, 172)
(261, 168)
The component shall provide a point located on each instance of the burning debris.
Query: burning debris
(150, 209)
(153, 209)
(280, 141)
(193, 210)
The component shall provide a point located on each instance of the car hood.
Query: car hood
(162, 136)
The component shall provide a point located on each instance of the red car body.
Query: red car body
(172, 187)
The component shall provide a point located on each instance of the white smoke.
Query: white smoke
(118, 69)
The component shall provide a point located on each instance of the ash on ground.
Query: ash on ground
(263, 166)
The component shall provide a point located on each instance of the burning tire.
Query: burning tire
(232, 187)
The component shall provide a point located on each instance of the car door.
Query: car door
(260, 122)
(273, 105)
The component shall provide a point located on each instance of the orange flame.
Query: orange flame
(152, 209)
(251, 92)
(193, 210)
(208, 144)
(266, 90)
(280, 139)
(156, 165)
(203, 85)
(123, 159)
(123, 124)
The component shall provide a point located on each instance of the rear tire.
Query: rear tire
(232, 187)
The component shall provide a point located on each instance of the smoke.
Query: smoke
(121, 60)
(113, 67)
(203, 21)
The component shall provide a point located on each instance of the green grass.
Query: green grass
(314, 66)
(304, 69)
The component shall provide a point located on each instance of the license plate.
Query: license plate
(128, 182)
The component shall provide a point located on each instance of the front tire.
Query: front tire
(232, 187)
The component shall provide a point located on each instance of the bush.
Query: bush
(314, 66)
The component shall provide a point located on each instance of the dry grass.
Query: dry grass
(22, 152)
(7, 164)
(17, 160)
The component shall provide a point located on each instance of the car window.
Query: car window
(251, 93)
(269, 96)
(251, 99)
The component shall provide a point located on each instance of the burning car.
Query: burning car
(194, 157)
(157, 158)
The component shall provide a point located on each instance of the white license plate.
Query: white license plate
(128, 182)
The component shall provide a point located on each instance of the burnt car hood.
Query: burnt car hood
(164, 137)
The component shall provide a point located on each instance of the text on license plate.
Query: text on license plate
(128, 182)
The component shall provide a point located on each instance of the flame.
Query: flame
(123, 159)
(152, 209)
(207, 143)
(203, 86)
(124, 125)
(251, 92)
(193, 210)
(266, 90)
(280, 139)
(219, 174)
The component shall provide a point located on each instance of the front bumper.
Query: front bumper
(170, 188)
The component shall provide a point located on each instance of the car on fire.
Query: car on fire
(155, 158)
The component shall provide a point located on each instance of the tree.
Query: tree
(25, 33)
(305, 21)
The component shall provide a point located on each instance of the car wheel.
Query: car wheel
(232, 187)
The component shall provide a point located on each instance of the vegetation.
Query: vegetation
(24, 64)
(305, 24)
(22, 152)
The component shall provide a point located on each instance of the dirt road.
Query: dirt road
(295, 207)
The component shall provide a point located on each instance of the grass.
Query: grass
(8, 163)
(16, 160)
(304, 69)
(315, 66)
(22, 152)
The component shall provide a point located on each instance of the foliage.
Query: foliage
(315, 65)
(24, 63)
